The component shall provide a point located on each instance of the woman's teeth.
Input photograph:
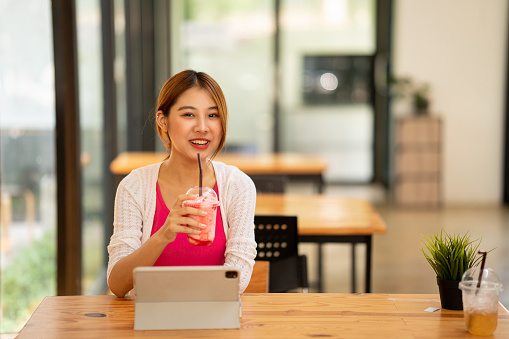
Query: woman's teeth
(199, 142)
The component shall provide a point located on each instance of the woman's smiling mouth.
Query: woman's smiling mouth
(200, 143)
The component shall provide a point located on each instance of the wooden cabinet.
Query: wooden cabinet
(418, 161)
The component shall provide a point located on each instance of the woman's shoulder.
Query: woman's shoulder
(228, 170)
(147, 169)
(142, 175)
(231, 175)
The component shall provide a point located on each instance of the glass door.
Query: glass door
(326, 89)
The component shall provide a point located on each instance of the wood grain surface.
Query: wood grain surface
(290, 315)
(271, 163)
(324, 215)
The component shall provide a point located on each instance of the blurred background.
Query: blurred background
(338, 78)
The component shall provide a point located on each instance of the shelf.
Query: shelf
(418, 161)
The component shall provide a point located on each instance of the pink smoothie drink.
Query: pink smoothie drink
(208, 203)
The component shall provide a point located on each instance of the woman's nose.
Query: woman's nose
(201, 124)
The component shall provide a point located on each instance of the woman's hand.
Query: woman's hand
(179, 221)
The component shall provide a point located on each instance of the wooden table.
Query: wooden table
(325, 219)
(290, 315)
(294, 165)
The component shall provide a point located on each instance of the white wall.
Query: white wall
(459, 47)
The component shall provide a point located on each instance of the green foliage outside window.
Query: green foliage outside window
(29, 278)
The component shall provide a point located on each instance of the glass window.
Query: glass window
(27, 150)
(88, 18)
(327, 48)
(233, 42)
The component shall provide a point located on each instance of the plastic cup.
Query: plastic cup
(480, 304)
(208, 203)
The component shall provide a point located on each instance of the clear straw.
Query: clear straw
(201, 173)
(481, 271)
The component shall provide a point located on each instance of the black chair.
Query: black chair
(278, 241)
(266, 183)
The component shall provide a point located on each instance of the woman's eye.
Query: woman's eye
(188, 114)
(214, 115)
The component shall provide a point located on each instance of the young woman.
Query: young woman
(150, 222)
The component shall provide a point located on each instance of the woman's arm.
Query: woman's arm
(240, 244)
(126, 250)
(120, 280)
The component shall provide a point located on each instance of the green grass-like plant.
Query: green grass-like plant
(29, 278)
(450, 256)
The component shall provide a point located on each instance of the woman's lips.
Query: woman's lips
(200, 143)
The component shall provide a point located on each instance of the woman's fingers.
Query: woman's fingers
(186, 229)
(192, 211)
(180, 224)
(179, 208)
(185, 223)
(180, 219)
(181, 198)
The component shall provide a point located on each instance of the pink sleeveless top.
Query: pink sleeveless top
(180, 252)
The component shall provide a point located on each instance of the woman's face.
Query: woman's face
(194, 125)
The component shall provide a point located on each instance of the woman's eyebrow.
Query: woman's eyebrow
(181, 108)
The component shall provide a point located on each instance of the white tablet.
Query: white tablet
(186, 297)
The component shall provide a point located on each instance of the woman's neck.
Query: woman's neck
(185, 171)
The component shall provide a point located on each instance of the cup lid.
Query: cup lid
(208, 195)
(489, 280)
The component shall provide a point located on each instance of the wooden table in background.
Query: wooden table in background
(289, 315)
(327, 219)
(294, 165)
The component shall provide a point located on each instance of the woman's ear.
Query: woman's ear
(161, 120)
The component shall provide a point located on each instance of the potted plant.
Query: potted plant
(419, 93)
(450, 256)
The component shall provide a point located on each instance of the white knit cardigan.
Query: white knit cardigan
(135, 204)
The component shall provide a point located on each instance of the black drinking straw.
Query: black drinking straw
(480, 272)
(201, 171)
